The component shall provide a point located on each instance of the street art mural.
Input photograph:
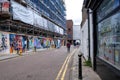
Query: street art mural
(4, 43)
(15, 43)
(30, 44)
(24, 43)
(37, 43)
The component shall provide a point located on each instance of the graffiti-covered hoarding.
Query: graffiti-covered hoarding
(15, 43)
(37, 43)
(30, 44)
(4, 43)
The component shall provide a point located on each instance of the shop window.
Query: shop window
(109, 40)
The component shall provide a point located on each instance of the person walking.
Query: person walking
(68, 46)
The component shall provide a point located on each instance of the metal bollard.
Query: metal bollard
(80, 67)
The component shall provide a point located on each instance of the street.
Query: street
(43, 65)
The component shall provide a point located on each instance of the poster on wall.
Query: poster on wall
(4, 43)
(15, 43)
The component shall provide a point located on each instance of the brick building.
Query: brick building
(70, 31)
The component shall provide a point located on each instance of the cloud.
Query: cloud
(74, 10)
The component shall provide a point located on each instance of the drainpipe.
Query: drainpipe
(94, 41)
(89, 58)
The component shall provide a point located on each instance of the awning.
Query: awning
(92, 4)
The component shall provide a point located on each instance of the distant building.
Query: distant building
(70, 31)
(76, 32)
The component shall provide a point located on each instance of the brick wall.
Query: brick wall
(69, 30)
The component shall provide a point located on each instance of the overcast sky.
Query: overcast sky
(74, 10)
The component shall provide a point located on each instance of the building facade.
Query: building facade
(76, 32)
(103, 21)
(70, 31)
(34, 23)
(84, 31)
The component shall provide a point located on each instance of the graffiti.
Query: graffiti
(4, 42)
(15, 43)
(30, 42)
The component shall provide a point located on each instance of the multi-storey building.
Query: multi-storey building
(34, 18)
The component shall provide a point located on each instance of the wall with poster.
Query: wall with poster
(4, 43)
(109, 40)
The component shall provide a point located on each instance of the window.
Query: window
(109, 40)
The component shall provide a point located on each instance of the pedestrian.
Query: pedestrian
(68, 46)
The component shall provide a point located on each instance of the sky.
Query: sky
(73, 10)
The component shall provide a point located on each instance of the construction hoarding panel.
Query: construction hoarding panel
(4, 43)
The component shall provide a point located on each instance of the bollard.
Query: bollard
(80, 67)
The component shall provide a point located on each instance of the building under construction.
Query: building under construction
(31, 23)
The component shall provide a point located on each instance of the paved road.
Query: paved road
(43, 65)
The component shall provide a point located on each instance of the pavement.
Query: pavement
(87, 72)
(9, 56)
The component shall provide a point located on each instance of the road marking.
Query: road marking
(64, 67)
(58, 76)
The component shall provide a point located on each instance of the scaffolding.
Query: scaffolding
(51, 10)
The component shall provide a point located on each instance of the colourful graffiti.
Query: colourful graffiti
(4, 43)
(15, 43)
(30, 42)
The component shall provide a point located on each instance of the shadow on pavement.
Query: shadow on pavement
(106, 73)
